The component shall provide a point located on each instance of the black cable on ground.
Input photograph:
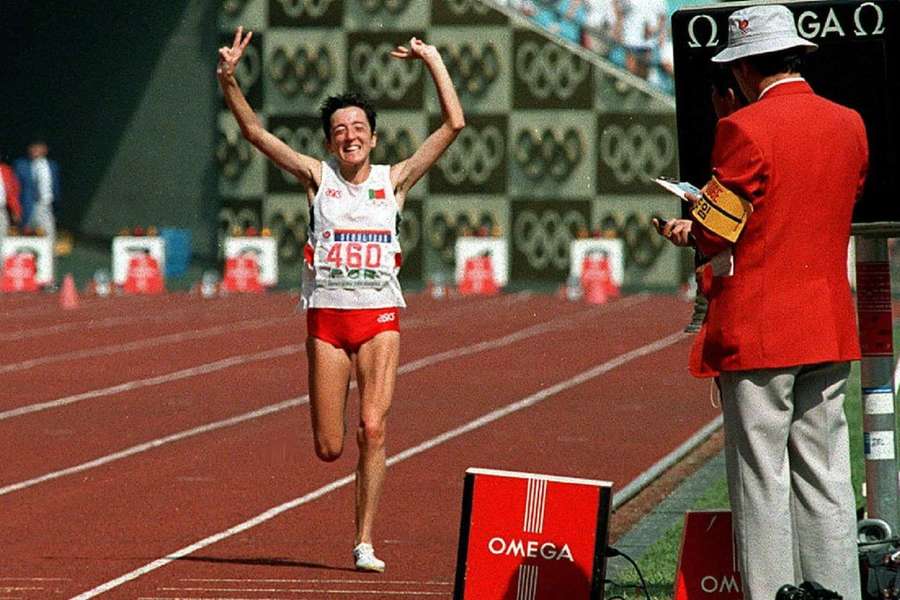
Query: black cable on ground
(610, 552)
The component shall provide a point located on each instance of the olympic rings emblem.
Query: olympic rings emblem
(290, 234)
(545, 238)
(313, 8)
(444, 229)
(393, 146)
(379, 75)
(551, 153)
(461, 7)
(550, 69)
(637, 151)
(473, 70)
(249, 69)
(233, 153)
(410, 234)
(305, 70)
(395, 7)
(474, 156)
(642, 244)
(304, 140)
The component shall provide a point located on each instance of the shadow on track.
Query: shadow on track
(264, 562)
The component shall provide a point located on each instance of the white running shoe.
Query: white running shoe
(364, 555)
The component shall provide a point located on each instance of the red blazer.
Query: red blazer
(10, 183)
(801, 160)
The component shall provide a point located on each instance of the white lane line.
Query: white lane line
(308, 591)
(237, 360)
(35, 579)
(88, 324)
(368, 581)
(486, 419)
(52, 306)
(219, 365)
(143, 343)
(280, 406)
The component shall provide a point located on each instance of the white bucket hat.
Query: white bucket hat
(760, 30)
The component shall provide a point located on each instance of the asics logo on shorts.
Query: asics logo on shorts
(386, 317)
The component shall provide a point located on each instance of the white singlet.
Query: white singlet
(353, 255)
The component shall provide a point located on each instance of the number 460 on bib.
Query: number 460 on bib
(354, 255)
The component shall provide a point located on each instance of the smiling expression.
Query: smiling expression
(352, 139)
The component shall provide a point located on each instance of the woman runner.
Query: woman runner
(350, 287)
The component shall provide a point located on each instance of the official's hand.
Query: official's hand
(230, 57)
(677, 231)
(692, 198)
(417, 50)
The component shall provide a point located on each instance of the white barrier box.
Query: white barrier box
(614, 250)
(124, 248)
(475, 247)
(263, 248)
(40, 247)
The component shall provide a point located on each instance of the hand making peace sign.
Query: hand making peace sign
(230, 57)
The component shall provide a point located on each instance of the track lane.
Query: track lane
(418, 526)
(73, 492)
(104, 423)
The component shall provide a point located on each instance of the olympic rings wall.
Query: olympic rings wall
(554, 147)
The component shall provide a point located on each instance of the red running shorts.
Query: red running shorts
(348, 329)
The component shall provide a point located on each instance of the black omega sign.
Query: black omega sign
(857, 64)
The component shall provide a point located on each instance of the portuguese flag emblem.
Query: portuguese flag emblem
(377, 194)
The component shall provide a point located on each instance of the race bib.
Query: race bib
(351, 259)
(721, 211)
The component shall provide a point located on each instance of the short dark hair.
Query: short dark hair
(333, 104)
(774, 63)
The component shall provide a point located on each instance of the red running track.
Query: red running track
(159, 447)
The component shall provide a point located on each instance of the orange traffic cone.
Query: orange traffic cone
(68, 295)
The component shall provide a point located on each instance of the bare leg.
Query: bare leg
(329, 382)
(376, 374)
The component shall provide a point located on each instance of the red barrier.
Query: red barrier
(597, 280)
(706, 565)
(242, 274)
(143, 276)
(478, 277)
(532, 537)
(19, 273)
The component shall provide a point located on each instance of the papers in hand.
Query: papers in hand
(679, 188)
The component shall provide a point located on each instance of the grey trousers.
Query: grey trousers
(788, 464)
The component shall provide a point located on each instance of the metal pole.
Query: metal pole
(873, 291)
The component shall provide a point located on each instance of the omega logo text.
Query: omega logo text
(530, 549)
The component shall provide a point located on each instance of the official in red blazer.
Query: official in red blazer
(781, 330)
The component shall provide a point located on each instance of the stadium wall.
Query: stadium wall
(558, 143)
(125, 94)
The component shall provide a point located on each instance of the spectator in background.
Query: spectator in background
(603, 30)
(526, 7)
(565, 18)
(9, 200)
(644, 31)
(662, 75)
(40, 189)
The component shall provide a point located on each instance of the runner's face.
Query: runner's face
(351, 137)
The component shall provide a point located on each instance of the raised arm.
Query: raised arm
(405, 174)
(305, 168)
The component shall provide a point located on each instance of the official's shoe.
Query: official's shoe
(364, 555)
